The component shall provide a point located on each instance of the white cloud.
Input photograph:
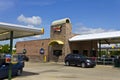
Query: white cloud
(81, 29)
(34, 20)
(30, 22)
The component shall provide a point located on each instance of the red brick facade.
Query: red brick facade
(33, 48)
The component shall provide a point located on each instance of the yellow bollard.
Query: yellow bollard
(44, 58)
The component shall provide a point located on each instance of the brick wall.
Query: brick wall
(33, 48)
(84, 45)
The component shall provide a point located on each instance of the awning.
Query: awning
(111, 37)
(56, 41)
(18, 31)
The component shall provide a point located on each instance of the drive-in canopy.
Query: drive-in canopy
(18, 31)
(109, 37)
(12, 31)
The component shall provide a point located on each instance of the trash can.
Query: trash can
(117, 62)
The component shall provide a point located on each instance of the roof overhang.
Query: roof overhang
(111, 37)
(56, 41)
(18, 31)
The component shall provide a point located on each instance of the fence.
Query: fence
(104, 61)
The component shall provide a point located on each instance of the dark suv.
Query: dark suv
(77, 59)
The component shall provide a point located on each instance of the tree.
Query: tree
(5, 48)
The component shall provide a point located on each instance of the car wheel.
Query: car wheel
(19, 72)
(67, 63)
(83, 65)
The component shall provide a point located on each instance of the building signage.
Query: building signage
(42, 51)
(57, 28)
(8, 58)
(14, 59)
(24, 51)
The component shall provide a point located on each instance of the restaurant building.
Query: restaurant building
(62, 42)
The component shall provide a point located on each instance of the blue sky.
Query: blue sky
(87, 16)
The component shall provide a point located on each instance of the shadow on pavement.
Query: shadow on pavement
(26, 73)
(48, 71)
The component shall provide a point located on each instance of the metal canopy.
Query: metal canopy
(11, 31)
(105, 37)
(18, 31)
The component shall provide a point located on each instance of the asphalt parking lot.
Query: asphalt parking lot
(57, 71)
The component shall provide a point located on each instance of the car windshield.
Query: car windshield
(81, 56)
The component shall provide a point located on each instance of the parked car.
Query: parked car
(78, 59)
(23, 57)
(17, 68)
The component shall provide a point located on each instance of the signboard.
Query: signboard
(57, 28)
(24, 51)
(8, 58)
(14, 59)
(42, 51)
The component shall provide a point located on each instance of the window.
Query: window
(93, 53)
(85, 52)
(75, 51)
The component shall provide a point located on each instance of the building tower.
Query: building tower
(61, 31)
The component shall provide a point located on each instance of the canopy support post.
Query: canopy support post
(10, 65)
(99, 48)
